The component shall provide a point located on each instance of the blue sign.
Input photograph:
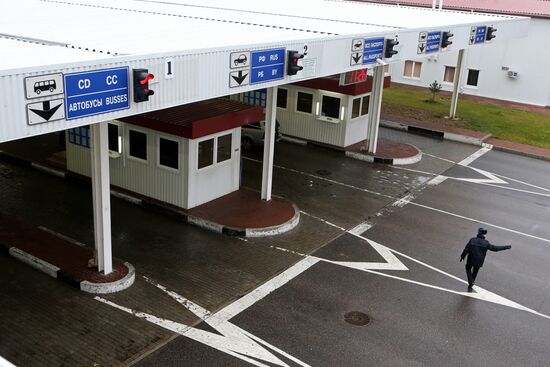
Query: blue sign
(481, 33)
(433, 43)
(374, 49)
(94, 92)
(267, 65)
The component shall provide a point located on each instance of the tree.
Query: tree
(435, 88)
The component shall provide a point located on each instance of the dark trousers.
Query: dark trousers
(471, 274)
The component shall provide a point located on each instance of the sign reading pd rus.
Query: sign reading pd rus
(95, 92)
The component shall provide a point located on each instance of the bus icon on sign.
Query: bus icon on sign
(44, 86)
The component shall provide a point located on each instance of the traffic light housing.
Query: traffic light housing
(293, 57)
(388, 49)
(141, 85)
(445, 39)
(490, 33)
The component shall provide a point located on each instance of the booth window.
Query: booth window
(330, 107)
(473, 76)
(365, 105)
(80, 136)
(224, 148)
(355, 108)
(114, 141)
(138, 144)
(282, 95)
(168, 153)
(206, 153)
(449, 76)
(360, 106)
(412, 69)
(304, 102)
(255, 97)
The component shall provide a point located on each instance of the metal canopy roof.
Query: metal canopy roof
(39, 37)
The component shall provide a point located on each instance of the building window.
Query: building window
(412, 69)
(138, 144)
(255, 97)
(114, 138)
(304, 102)
(360, 106)
(449, 76)
(206, 153)
(356, 108)
(282, 95)
(473, 76)
(224, 148)
(365, 105)
(330, 107)
(169, 153)
(80, 136)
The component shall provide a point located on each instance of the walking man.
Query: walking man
(476, 249)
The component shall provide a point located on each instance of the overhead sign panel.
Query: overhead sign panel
(95, 92)
(46, 111)
(374, 49)
(267, 65)
(433, 42)
(478, 35)
(44, 85)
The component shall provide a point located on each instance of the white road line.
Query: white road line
(466, 161)
(437, 157)
(324, 179)
(265, 289)
(323, 220)
(514, 189)
(360, 228)
(480, 222)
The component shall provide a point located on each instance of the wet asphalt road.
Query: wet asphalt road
(419, 316)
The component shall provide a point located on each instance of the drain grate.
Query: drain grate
(357, 318)
(323, 172)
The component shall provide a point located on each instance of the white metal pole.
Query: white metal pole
(433, 3)
(440, 4)
(101, 197)
(269, 142)
(375, 106)
(456, 84)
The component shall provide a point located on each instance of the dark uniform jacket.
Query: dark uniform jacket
(476, 249)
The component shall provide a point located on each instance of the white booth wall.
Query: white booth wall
(340, 131)
(185, 187)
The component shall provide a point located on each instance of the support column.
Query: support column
(375, 105)
(269, 142)
(456, 84)
(101, 197)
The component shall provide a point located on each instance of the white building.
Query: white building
(323, 110)
(184, 156)
(516, 70)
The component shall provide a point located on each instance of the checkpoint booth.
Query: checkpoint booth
(184, 156)
(331, 110)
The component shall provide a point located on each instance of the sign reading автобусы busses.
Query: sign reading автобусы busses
(95, 92)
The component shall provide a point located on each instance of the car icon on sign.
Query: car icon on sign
(242, 59)
(358, 45)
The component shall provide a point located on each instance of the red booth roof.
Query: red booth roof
(198, 119)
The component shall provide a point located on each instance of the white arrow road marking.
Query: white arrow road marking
(233, 340)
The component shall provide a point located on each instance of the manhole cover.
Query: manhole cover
(357, 318)
(323, 172)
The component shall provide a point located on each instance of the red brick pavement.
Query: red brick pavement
(71, 258)
(520, 148)
(245, 209)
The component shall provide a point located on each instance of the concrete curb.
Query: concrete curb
(364, 157)
(435, 133)
(391, 161)
(276, 230)
(84, 285)
(199, 222)
(525, 154)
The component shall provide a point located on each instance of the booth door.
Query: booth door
(215, 169)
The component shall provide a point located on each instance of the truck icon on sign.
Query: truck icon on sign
(44, 86)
